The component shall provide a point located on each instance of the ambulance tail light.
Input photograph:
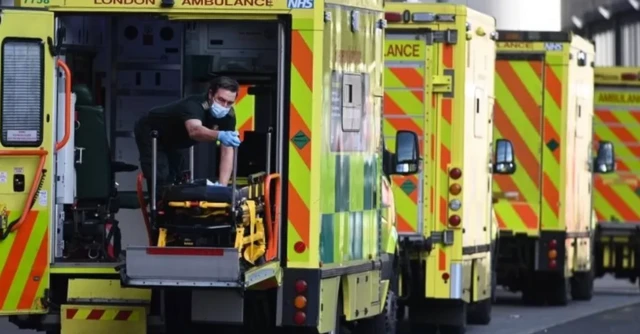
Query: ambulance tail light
(455, 189)
(455, 173)
(552, 253)
(300, 302)
(392, 17)
(455, 220)
(629, 76)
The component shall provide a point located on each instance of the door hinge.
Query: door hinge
(56, 46)
(444, 83)
(449, 36)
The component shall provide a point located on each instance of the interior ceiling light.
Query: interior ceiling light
(577, 21)
(635, 4)
(604, 12)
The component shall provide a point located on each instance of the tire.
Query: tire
(531, 293)
(424, 329)
(480, 312)
(558, 290)
(446, 329)
(383, 323)
(494, 286)
(582, 286)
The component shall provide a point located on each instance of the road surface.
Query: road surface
(623, 320)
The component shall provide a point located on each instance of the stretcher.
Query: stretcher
(204, 234)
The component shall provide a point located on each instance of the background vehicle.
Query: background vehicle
(617, 196)
(544, 105)
(434, 55)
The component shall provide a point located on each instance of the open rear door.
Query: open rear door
(27, 117)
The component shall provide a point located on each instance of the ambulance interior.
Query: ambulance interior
(122, 67)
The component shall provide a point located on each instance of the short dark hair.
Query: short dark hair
(223, 83)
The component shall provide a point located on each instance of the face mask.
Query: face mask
(218, 111)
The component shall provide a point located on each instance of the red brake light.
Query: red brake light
(393, 17)
(301, 286)
(455, 173)
(553, 244)
(629, 76)
(299, 318)
(299, 247)
(454, 220)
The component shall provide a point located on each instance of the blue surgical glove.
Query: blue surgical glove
(229, 138)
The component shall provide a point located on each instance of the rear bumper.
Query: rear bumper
(520, 251)
(182, 267)
(617, 249)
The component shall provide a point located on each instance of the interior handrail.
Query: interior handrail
(272, 243)
(67, 105)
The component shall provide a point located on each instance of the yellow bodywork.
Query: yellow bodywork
(443, 90)
(544, 106)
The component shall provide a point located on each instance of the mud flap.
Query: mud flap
(103, 319)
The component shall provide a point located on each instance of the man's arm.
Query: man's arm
(199, 132)
(226, 164)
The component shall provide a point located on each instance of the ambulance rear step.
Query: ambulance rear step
(182, 267)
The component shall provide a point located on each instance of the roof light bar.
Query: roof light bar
(533, 36)
(393, 17)
(423, 17)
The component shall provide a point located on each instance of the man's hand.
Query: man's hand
(229, 138)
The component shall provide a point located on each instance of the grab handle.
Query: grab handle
(67, 105)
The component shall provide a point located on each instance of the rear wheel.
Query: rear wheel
(424, 329)
(383, 323)
(447, 329)
(558, 290)
(480, 312)
(531, 293)
(582, 286)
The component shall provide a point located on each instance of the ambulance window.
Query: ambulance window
(352, 88)
(22, 90)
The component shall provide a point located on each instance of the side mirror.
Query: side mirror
(407, 161)
(504, 160)
(605, 161)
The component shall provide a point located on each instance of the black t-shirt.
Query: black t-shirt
(169, 120)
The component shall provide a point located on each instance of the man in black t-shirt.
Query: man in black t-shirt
(181, 124)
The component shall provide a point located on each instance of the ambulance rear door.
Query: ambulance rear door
(27, 148)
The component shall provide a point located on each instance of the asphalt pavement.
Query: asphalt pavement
(623, 320)
(510, 316)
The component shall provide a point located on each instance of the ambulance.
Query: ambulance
(544, 105)
(439, 73)
(303, 245)
(617, 196)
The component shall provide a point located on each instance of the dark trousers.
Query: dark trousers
(170, 162)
